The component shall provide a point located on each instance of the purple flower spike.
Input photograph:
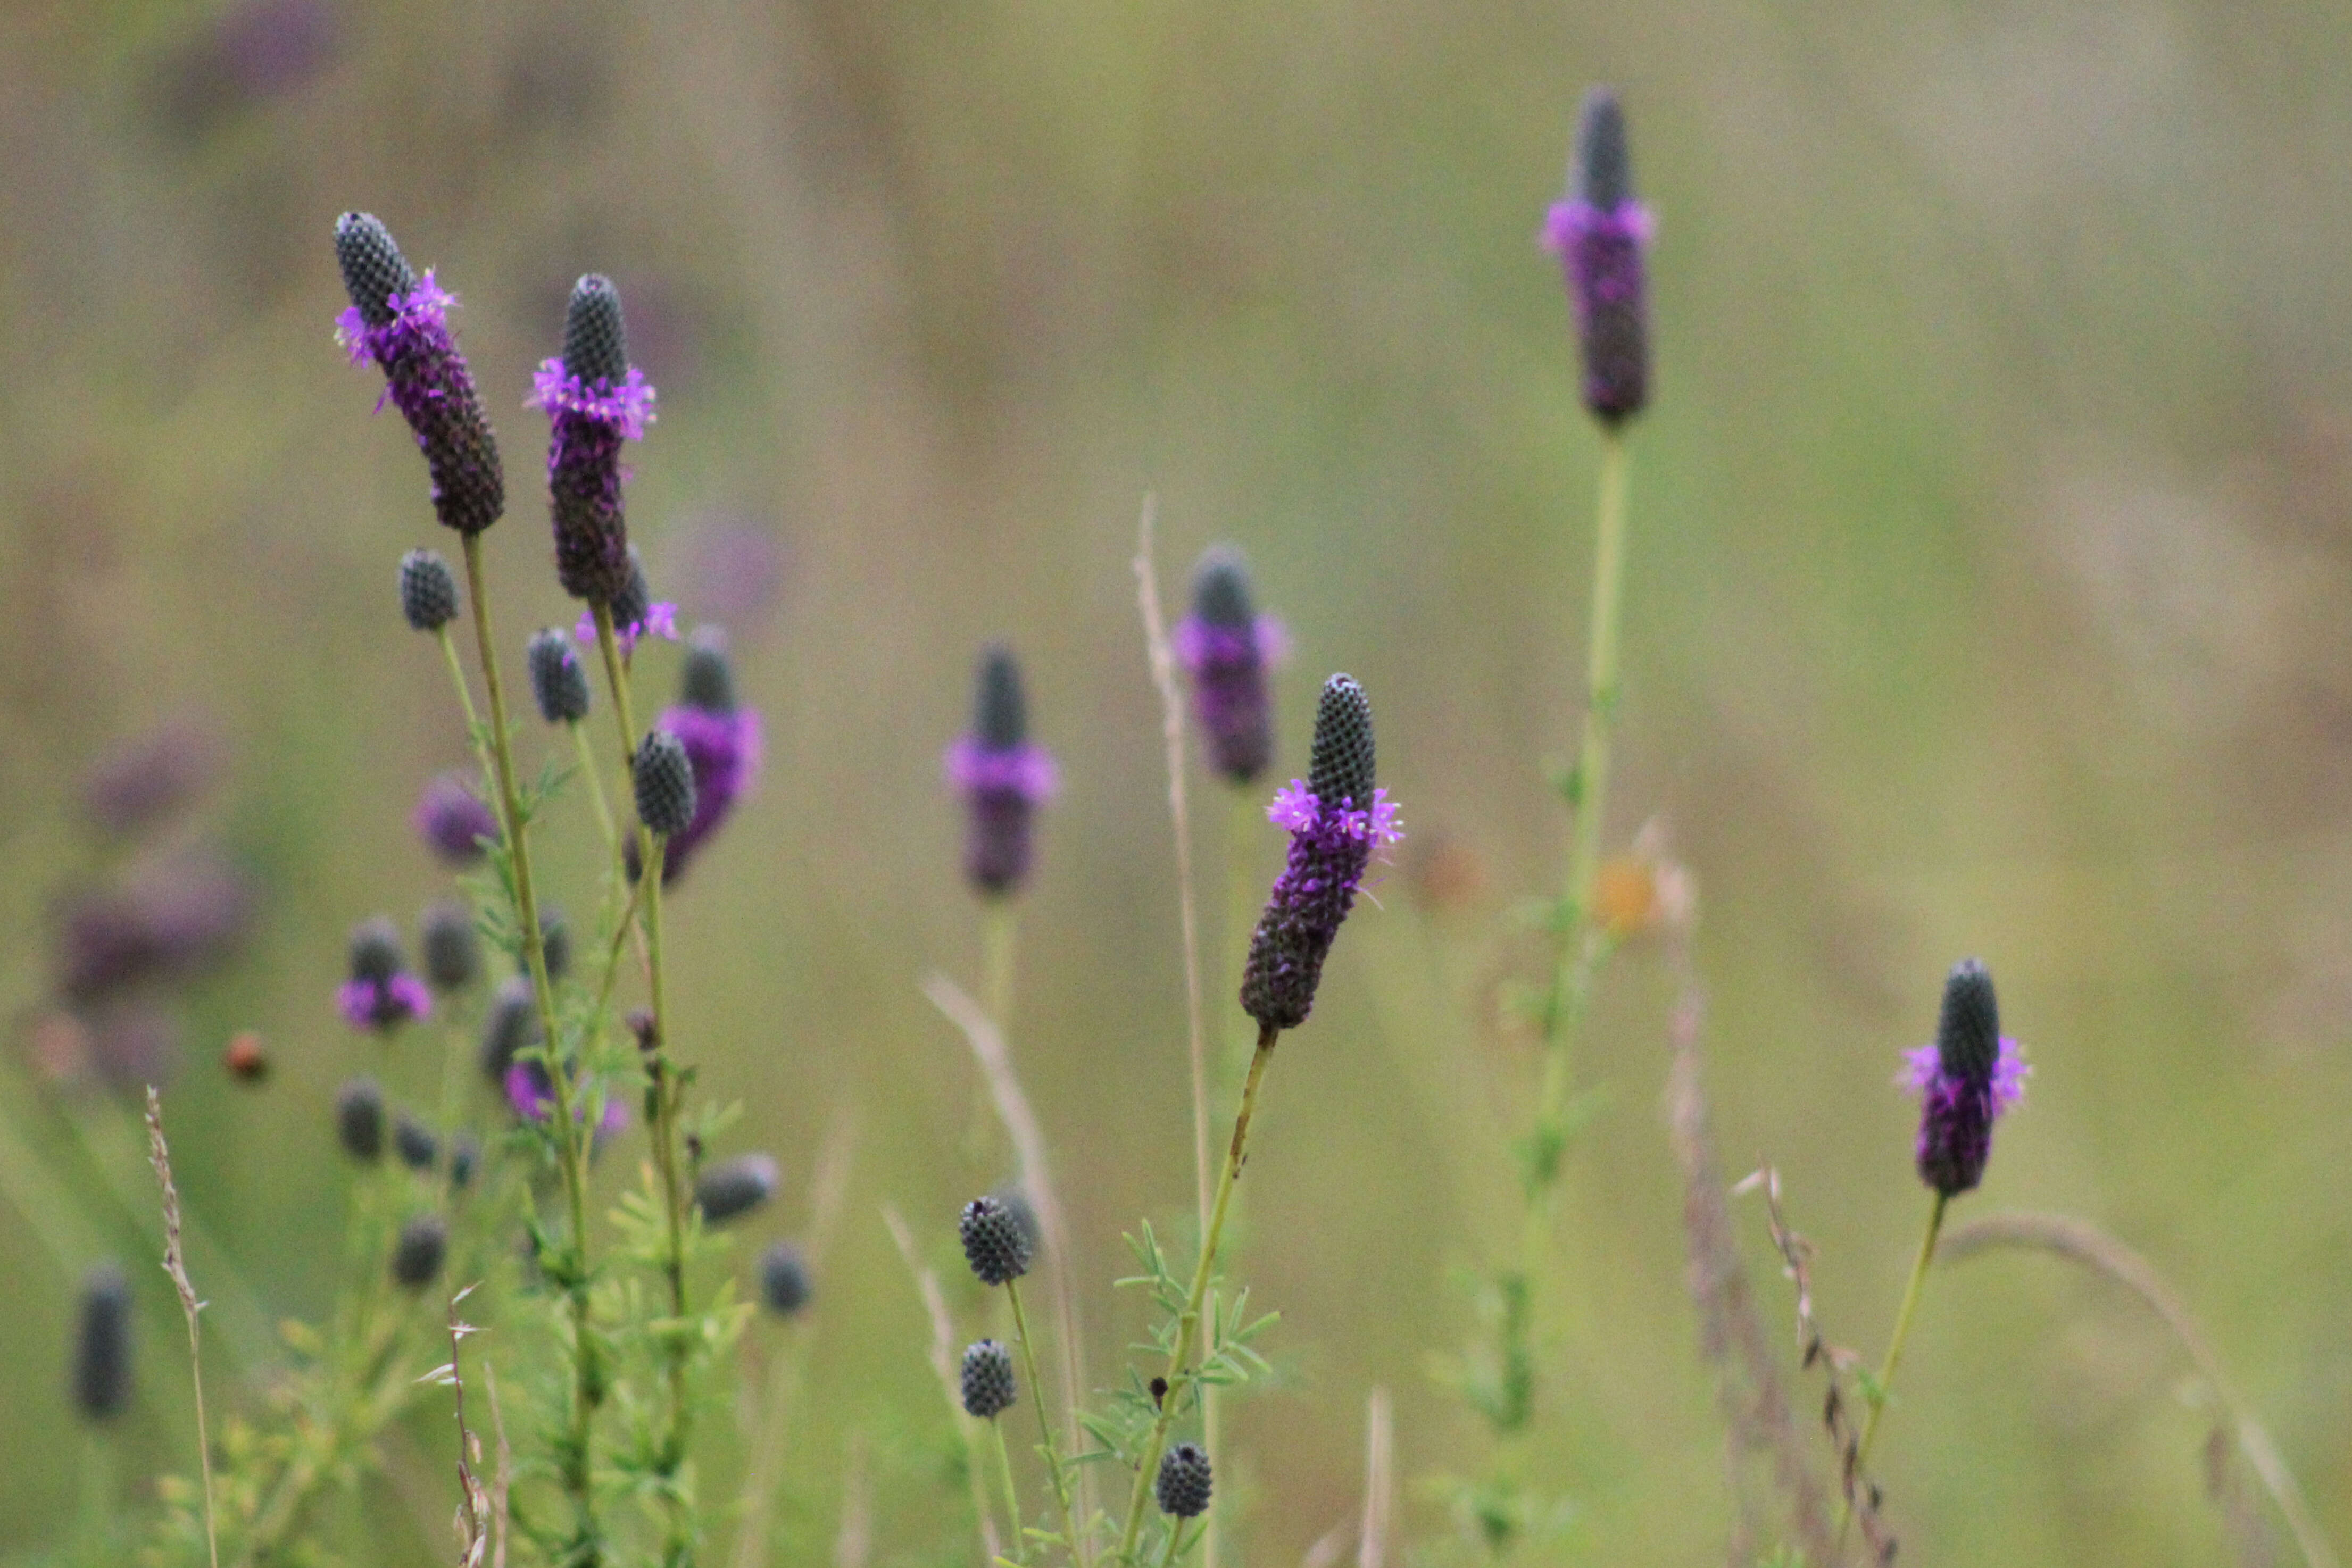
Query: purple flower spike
(381, 995)
(1965, 1081)
(596, 399)
(1228, 649)
(454, 822)
(722, 744)
(402, 322)
(1002, 776)
(1338, 821)
(1600, 234)
(530, 1096)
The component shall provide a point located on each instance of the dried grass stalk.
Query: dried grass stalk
(159, 1154)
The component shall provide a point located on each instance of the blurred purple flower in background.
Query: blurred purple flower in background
(147, 778)
(453, 820)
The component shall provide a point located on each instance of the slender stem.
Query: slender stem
(1903, 1315)
(597, 795)
(760, 1485)
(651, 852)
(97, 1493)
(578, 1471)
(1011, 1492)
(1175, 1539)
(203, 1440)
(1044, 1423)
(1187, 1326)
(1000, 934)
(465, 697)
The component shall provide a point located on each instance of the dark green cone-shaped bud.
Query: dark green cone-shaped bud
(414, 1142)
(1340, 767)
(102, 1371)
(732, 1188)
(453, 949)
(1967, 1031)
(557, 682)
(1000, 716)
(374, 269)
(359, 1120)
(993, 1242)
(1221, 589)
(1183, 1485)
(988, 1387)
(707, 682)
(1604, 166)
(416, 1256)
(428, 593)
(375, 950)
(664, 781)
(595, 342)
(512, 1024)
(785, 1280)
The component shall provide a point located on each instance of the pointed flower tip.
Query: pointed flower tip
(1603, 176)
(595, 340)
(374, 272)
(1342, 764)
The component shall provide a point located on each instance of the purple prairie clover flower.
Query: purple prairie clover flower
(1338, 821)
(1601, 235)
(595, 400)
(170, 923)
(722, 744)
(1003, 775)
(1228, 648)
(381, 995)
(453, 820)
(637, 614)
(530, 1096)
(402, 322)
(148, 778)
(1965, 1081)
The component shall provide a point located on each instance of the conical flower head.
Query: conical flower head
(1600, 234)
(1002, 776)
(663, 777)
(375, 950)
(453, 949)
(415, 1143)
(785, 1280)
(1966, 1079)
(732, 1188)
(1340, 767)
(512, 1024)
(1338, 819)
(1182, 1488)
(993, 1242)
(595, 340)
(559, 683)
(595, 401)
(102, 1371)
(359, 1119)
(1227, 648)
(402, 322)
(416, 1256)
(706, 681)
(988, 1388)
(374, 272)
(381, 995)
(428, 593)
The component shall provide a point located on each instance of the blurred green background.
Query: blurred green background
(1987, 595)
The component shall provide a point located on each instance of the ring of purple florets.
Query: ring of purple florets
(1957, 1114)
(628, 408)
(383, 1004)
(421, 312)
(531, 1097)
(1330, 848)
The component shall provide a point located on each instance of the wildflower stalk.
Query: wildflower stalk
(651, 847)
(596, 793)
(1000, 925)
(1188, 1325)
(576, 1467)
(1053, 1466)
(1903, 1315)
(1011, 1492)
(160, 1156)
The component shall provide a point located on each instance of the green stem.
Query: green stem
(1187, 1326)
(760, 1485)
(1175, 1539)
(651, 849)
(1903, 1316)
(97, 1493)
(578, 1471)
(596, 797)
(1044, 1426)
(1011, 1492)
